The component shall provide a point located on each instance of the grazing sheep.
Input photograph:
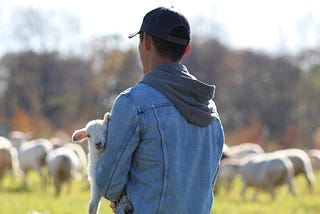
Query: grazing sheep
(63, 165)
(5, 142)
(266, 171)
(227, 172)
(8, 158)
(95, 131)
(225, 152)
(301, 164)
(19, 137)
(243, 149)
(56, 142)
(315, 158)
(81, 155)
(32, 156)
(5, 161)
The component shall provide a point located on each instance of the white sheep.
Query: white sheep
(227, 172)
(315, 158)
(63, 165)
(5, 142)
(301, 164)
(241, 150)
(266, 171)
(78, 150)
(8, 158)
(81, 155)
(19, 137)
(95, 131)
(32, 156)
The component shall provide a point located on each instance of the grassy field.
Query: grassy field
(15, 200)
(73, 199)
(304, 202)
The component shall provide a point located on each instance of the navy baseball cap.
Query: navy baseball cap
(161, 21)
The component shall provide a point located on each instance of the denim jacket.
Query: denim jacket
(165, 163)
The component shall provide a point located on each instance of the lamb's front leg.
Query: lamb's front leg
(95, 199)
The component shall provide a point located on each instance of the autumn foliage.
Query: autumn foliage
(269, 100)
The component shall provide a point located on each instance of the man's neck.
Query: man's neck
(157, 61)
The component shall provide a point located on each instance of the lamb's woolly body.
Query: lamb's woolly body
(95, 131)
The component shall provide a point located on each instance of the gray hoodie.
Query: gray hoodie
(190, 96)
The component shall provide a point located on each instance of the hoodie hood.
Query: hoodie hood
(190, 96)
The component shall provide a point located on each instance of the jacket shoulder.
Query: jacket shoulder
(144, 95)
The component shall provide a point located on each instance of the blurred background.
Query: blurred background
(62, 63)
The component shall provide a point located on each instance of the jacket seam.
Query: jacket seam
(122, 151)
(165, 163)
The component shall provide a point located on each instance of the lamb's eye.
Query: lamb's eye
(88, 135)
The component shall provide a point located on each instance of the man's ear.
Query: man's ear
(147, 41)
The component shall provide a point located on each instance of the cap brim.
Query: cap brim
(133, 34)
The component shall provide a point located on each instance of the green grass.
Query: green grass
(304, 202)
(73, 199)
(15, 200)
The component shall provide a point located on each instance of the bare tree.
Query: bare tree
(42, 30)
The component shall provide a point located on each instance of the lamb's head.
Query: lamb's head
(95, 131)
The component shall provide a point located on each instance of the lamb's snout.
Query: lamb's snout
(99, 145)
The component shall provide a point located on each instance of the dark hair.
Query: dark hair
(169, 49)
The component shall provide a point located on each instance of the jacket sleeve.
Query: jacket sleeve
(113, 167)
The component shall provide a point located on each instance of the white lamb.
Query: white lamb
(95, 131)
(63, 165)
(266, 171)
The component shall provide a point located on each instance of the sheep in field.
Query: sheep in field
(227, 172)
(63, 165)
(95, 131)
(315, 158)
(8, 158)
(81, 155)
(78, 150)
(301, 164)
(32, 156)
(241, 150)
(19, 137)
(5, 161)
(266, 171)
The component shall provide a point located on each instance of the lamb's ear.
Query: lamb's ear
(106, 117)
(79, 135)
